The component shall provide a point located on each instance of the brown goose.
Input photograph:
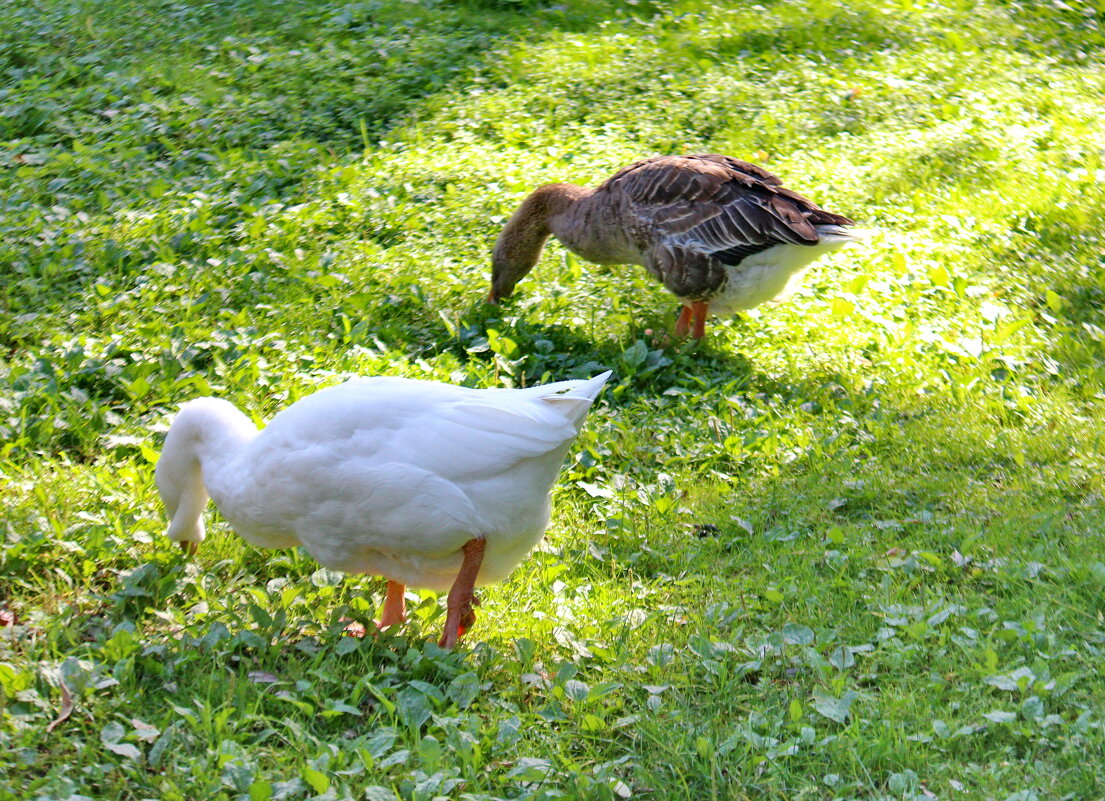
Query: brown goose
(721, 234)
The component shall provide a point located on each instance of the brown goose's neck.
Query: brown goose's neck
(553, 199)
(519, 244)
(533, 219)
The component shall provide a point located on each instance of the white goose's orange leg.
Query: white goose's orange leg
(699, 309)
(395, 606)
(460, 616)
(683, 324)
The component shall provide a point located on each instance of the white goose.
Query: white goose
(428, 484)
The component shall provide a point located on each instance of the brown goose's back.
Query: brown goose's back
(692, 217)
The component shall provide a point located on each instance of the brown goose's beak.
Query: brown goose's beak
(492, 298)
(190, 548)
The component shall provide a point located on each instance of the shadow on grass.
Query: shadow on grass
(645, 356)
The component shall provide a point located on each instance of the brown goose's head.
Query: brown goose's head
(519, 244)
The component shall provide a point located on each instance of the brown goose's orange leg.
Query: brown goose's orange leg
(699, 309)
(395, 606)
(460, 615)
(683, 324)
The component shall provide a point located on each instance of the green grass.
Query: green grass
(849, 548)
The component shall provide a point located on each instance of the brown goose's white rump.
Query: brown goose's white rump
(721, 234)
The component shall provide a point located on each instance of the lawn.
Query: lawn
(848, 547)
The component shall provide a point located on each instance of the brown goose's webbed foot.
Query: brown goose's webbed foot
(683, 324)
(460, 615)
(699, 310)
(692, 320)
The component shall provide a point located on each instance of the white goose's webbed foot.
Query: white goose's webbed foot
(395, 606)
(460, 615)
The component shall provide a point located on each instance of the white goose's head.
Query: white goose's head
(205, 432)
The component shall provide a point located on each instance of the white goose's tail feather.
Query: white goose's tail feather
(576, 388)
(577, 395)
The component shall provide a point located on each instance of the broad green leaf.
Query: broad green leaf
(830, 706)
(1032, 708)
(841, 657)
(429, 752)
(318, 780)
(377, 793)
(324, 577)
(576, 690)
(413, 707)
(797, 634)
(464, 689)
(842, 308)
(592, 724)
(110, 736)
(603, 690)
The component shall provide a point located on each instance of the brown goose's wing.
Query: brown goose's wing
(694, 214)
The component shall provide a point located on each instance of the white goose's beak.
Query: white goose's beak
(189, 547)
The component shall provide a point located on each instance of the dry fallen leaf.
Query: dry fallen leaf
(66, 708)
(262, 677)
(355, 629)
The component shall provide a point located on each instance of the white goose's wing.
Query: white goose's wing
(488, 432)
(389, 510)
(453, 432)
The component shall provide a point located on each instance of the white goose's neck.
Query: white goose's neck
(205, 435)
